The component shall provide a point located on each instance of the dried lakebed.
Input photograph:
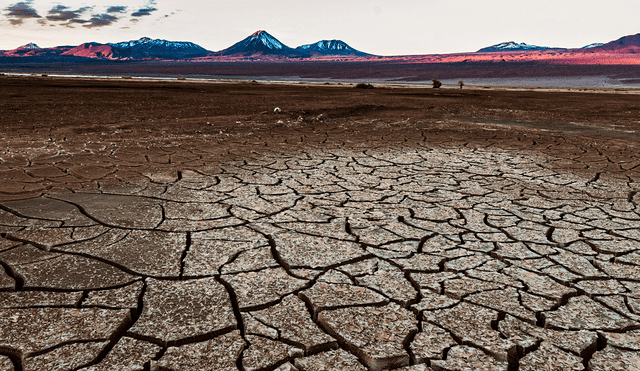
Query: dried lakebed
(439, 258)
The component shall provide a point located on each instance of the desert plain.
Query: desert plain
(178, 225)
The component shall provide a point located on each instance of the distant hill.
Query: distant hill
(511, 46)
(331, 48)
(626, 44)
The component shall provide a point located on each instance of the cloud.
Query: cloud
(116, 9)
(18, 12)
(101, 20)
(61, 13)
(143, 12)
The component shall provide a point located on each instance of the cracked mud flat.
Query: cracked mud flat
(446, 250)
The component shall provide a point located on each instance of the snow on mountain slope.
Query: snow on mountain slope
(591, 46)
(29, 46)
(261, 42)
(144, 48)
(330, 47)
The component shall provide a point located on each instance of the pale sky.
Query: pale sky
(384, 27)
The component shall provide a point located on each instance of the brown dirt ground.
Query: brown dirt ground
(75, 122)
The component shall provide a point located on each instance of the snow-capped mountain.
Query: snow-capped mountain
(144, 48)
(511, 46)
(158, 49)
(261, 42)
(149, 44)
(29, 46)
(330, 47)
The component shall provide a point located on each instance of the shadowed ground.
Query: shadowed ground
(187, 227)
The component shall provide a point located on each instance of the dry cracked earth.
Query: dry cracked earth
(507, 250)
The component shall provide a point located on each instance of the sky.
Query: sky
(383, 27)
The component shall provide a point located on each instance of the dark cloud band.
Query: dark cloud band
(18, 12)
(116, 9)
(61, 13)
(101, 20)
(65, 16)
(143, 12)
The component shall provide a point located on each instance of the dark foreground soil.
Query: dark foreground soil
(75, 116)
(183, 226)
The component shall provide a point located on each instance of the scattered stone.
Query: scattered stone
(177, 311)
(375, 334)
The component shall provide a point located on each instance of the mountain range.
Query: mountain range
(626, 44)
(263, 45)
